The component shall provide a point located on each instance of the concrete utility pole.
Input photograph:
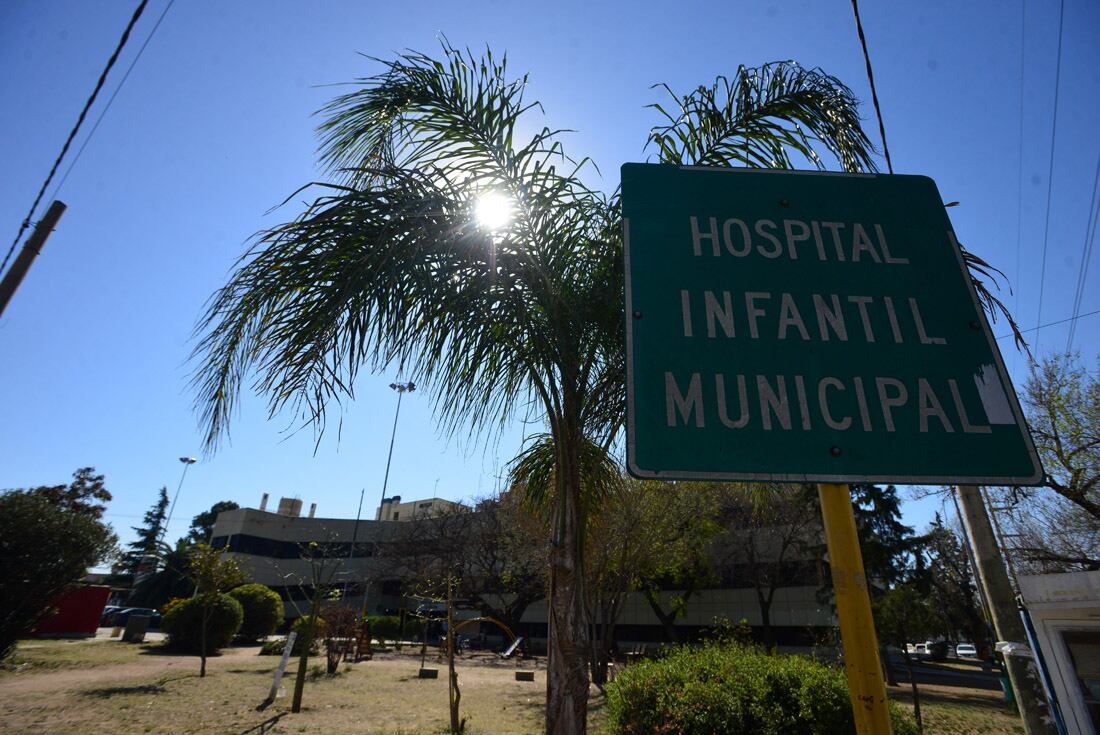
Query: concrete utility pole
(1022, 671)
(29, 252)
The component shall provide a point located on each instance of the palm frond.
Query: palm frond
(534, 470)
(759, 117)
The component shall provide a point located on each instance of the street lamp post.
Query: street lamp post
(187, 462)
(401, 389)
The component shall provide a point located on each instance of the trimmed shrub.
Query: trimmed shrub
(263, 610)
(385, 627)
(276, 646)
(183, 624)
(732, 689)
(300, 625)
(414, 629)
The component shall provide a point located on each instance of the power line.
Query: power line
(72, 134)
(1086, 254)
(1052, 324)
(107, 107)
(1050, 173)
(1020, 157)
(874, 94)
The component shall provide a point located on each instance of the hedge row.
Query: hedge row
(733, 689)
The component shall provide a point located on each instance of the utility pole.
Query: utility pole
(1009, 627)
(30, 251)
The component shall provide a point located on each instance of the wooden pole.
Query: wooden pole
(853, 608)
(1022, 672)
(29, 252)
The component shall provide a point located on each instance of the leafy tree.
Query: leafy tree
(887, 544)
(505, 559)
(202, 525)
(171, 577)
(44, 547)
(86, 494)
(905, 614)
(148, 534)
(771, 540)
(676, 522)
(950, 586)
(387, 268)
(213, 574)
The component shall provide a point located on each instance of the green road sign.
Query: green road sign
(808, 327)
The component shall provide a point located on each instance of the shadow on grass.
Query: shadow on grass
(108, 692)
(967, 698)
(262, 672)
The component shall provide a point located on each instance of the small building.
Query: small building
(1065, 614)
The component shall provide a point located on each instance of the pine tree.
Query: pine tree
(147, 535)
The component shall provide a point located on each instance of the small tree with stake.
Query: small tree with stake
(901, 615)
(212, 574)
(323, 568)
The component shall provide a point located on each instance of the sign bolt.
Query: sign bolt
(784, 203)
(975, 326)
(835, 451)
(637, 315)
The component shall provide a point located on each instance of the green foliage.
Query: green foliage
(276, 646)
(301, 627)
(904, 614)
(732, 689)
(263, 610)
(414, 629)
(385, 627)
(86, 494)
(44, 547)
(148, 533)
(183, 623)
(202, 525)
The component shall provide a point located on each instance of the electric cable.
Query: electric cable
(1050, 173)
(1086, 255)
(874, 94)
(76, 128)
(110, 101)
(1052, 324)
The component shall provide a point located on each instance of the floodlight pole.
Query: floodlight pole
(401, 389)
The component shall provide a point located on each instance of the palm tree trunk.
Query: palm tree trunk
(567, 664)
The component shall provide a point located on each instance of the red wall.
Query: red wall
(78, 612)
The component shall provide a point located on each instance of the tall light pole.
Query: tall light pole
(402, 389)
(187, 462)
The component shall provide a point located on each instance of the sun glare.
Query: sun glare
(494, 210)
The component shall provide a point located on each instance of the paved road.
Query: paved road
(927, 672)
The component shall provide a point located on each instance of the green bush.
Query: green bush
(263, 610)
(183, 624)
(300, 626)
(414, 629)
(385, 627)
(276, 646)
(732, 689)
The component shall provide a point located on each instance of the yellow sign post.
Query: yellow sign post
(853, 607)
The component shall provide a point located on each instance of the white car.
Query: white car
(966, 649)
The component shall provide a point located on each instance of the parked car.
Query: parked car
(107, 614)
(918, 649)
(966, 649)
(121, 617)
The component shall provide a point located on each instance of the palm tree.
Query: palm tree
(387, 267)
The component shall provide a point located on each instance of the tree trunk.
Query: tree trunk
(913, 686)
(668, 620)
(202, 638)
(567, 647)
(454, 696)
(303, 659)
(766, 624)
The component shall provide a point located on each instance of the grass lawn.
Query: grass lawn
(108, 686)
(960, 711)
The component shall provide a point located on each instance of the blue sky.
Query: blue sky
(215, 126)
